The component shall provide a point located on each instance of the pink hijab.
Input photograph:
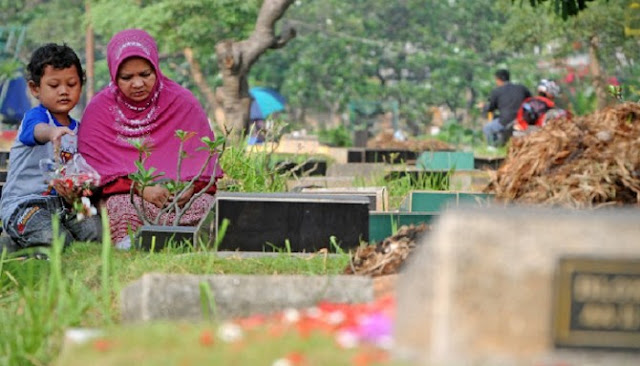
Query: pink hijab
(111, 120)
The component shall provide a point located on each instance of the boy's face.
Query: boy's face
(59, 91)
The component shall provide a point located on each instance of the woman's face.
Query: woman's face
(136, 78)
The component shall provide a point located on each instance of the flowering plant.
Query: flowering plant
(73, 180)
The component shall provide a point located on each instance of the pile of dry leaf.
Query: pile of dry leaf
(589, 161)
(385, 140)
(387, 256)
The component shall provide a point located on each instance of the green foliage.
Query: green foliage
(582, 100)
(251, 170)
(615, 91)
(376, 50)
(9, 69)
(400, 184)
(338, 136)
(189, 23)
(144, 177)
(456, 134)
(213, 146)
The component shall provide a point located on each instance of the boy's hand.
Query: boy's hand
(55, 136)
(157, 195)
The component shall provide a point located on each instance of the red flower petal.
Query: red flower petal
(206, 338)
(102, 345)
(296, 358)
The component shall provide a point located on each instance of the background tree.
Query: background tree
(564, 8)
(419, 53)
(596, 31)
(235, 59)
(194, 28)
(424, 54)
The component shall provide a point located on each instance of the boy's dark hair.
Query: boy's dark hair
(58, 56)
(502, 74)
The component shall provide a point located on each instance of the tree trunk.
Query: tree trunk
(596, 72)
(90, 57)
(235, 59)
(201, 83)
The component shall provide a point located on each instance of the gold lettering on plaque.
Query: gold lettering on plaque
(598, 303)
(619, 289)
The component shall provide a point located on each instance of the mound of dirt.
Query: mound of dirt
(388, 256)
(385, 140)
(586, 162)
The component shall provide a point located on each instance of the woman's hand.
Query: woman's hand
(185, 197)
(157, 195)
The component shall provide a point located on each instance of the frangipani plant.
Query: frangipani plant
(144, 177)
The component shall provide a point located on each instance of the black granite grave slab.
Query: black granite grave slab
(367, 155)
(157, 237)
(484, 163)
(264, 221)
(311, 167)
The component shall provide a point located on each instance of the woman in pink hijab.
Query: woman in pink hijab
(141, 103)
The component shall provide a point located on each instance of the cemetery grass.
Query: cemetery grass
(399, 187)
(485, 151)
(40, 299)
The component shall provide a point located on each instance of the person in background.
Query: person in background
(505, 99)
(141, 104)
(538, 110)
(55, 78)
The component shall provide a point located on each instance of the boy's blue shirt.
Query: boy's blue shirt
(33, 117)
(25, 179)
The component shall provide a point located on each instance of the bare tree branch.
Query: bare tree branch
(236, 58)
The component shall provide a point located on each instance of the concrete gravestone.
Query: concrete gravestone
(171, 296)
(516, 286)
(378, 196)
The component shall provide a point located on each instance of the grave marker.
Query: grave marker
(469, 180)
(326, 182)
(436, 201)
(484, 163)
(493, 286)
(367, 171)
(446, 160)
(310, 167)
(390, 156)
(597, 303)
(157, 237)
(383, 224)
(378, 197)
(261, 221)
(178, 297)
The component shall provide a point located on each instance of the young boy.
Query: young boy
(55, 78)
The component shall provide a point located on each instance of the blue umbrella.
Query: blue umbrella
(265, 101)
